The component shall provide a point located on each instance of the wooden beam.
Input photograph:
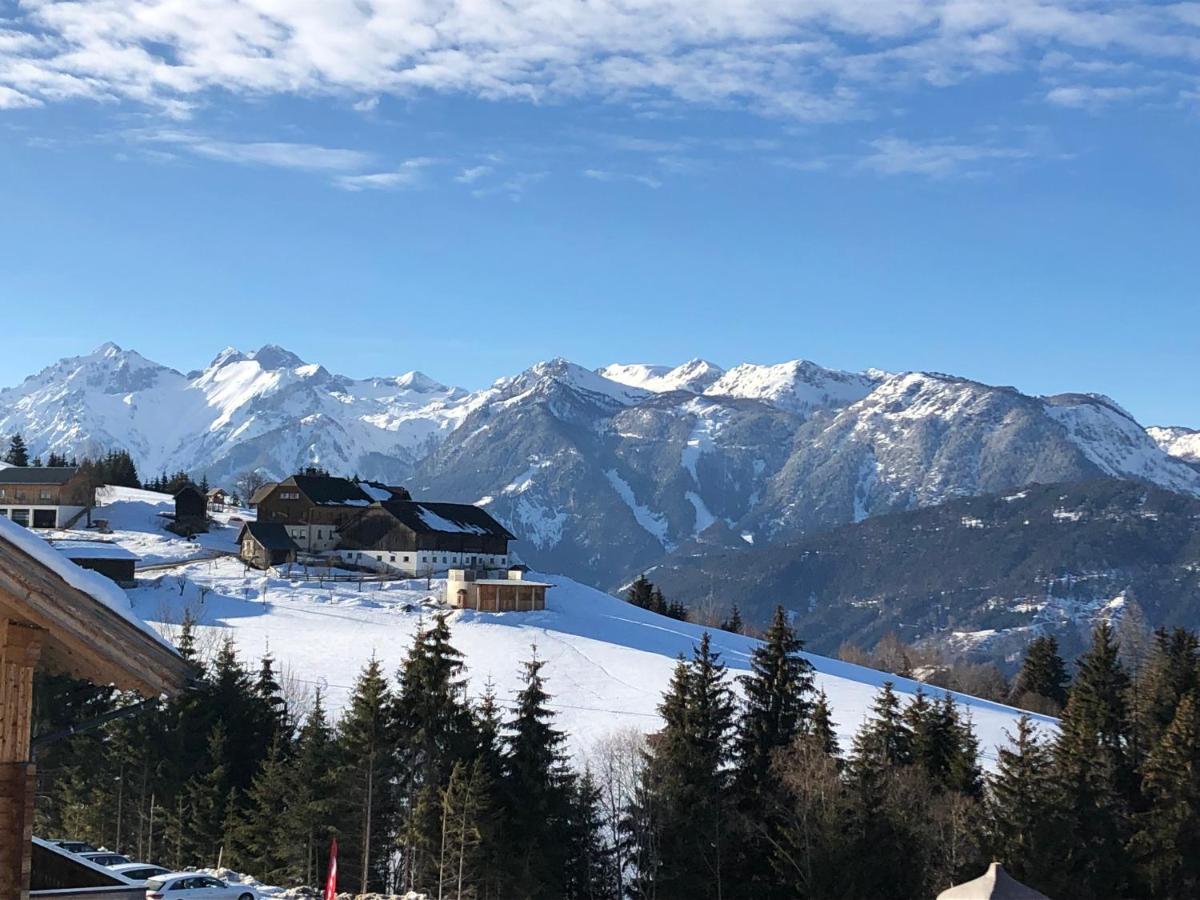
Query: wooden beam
(86, 639)
(22, 644)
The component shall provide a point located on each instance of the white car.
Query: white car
(139, 871)
(195, 886)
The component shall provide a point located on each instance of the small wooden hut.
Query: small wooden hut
(59, 617)
(266, 544)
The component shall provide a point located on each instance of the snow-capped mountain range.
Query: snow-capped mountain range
(602, 472)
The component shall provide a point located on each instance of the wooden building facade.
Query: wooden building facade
(47, 620)
(266, 544)
(511, 594)
(45, 496)
(314, 508)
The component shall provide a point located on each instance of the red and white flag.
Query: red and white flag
(331, 881)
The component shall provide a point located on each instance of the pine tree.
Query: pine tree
(202, 829)
(885, 740)
(1019, 806)
(681, 817)
(314, 781)
(463, 856)
(777, 701)
(588, 873)
(1173, 670)
(821, 726)
(1167, 844)
(641, 593)
(1041, 685)
(17, 454)
(263, 839)
(538, 787)
(1093, 777)
(734, 622)
(433, 731)
(366, 769)
(273, 707)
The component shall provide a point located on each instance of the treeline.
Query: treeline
(735, 797)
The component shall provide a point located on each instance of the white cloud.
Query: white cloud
(936, 159)
(1093, 97)
(408, 175)
(277, 154)
(809, 60)
(10, 99)
(472, 174)
(605, 175)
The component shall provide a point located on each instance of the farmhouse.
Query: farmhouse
(511, 594)
(266, 544)
(419, 538)
(109, 559)
(314, 508)
(59, 618)
(45, 496)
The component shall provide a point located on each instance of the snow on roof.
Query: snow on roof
(441, 523)
(377, 494)
(117, 878)
(83, 549)
(95, 585)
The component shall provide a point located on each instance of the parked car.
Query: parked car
(194, 886)
(105, 858)
(75, 846)
(139, 871)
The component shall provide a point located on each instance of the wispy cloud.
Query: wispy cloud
(409, 174)
(472, 174)
(605, 175)
(1094, 97)
(935, 159)
(277, 154)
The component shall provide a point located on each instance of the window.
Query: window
(3, 492)
(406, 559)
(392, 557)
(45, 495)
(21, 517)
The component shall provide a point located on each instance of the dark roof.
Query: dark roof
(188, 489)
(271, 535)
(446, 518)
(37, 474)
(262, 492)
(212, 492)
(326, 489)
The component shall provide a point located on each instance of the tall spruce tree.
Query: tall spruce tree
(366, 802)
(433, 731)
(17, 454)
(538, 787)
(313, 776)
(1093, 777)
(263, 838)
(1041, 685)
(821, 726)
(1020, 805)
(777, 701)
(683, 814)
(1167, 843)
(1171, 672)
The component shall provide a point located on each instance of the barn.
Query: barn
(110, 560)
(266, 544)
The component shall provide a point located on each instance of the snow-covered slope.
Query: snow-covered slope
(694, 376)
(798, 386)
(607, 662)
(1182, 443)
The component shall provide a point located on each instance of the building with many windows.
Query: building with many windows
(45, 496)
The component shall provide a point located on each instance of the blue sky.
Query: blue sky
(1003, 191)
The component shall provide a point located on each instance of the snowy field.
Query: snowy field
(607, 662)
(136, 523)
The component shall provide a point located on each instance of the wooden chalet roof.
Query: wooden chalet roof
(262, 492)
(328, 490)
(90, 630)
(189, 490)
(272, 535)
(37, 474)
(427, 517)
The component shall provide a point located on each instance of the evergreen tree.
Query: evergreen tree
(463, 859)
(1019, 807)
(885, 740)
(1041, 685)
(588, 874)
(1093, 778)
(1167, 844)
(366, 769)
(681, 817)
(17, 454)
(821, 726)
(776, 705)
(734, 622)
(314, 781)
(1173, 671)
(641, 593)
(538, 787)
(433, 731)
(275, 724)
(202, 829)
(263, 839)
